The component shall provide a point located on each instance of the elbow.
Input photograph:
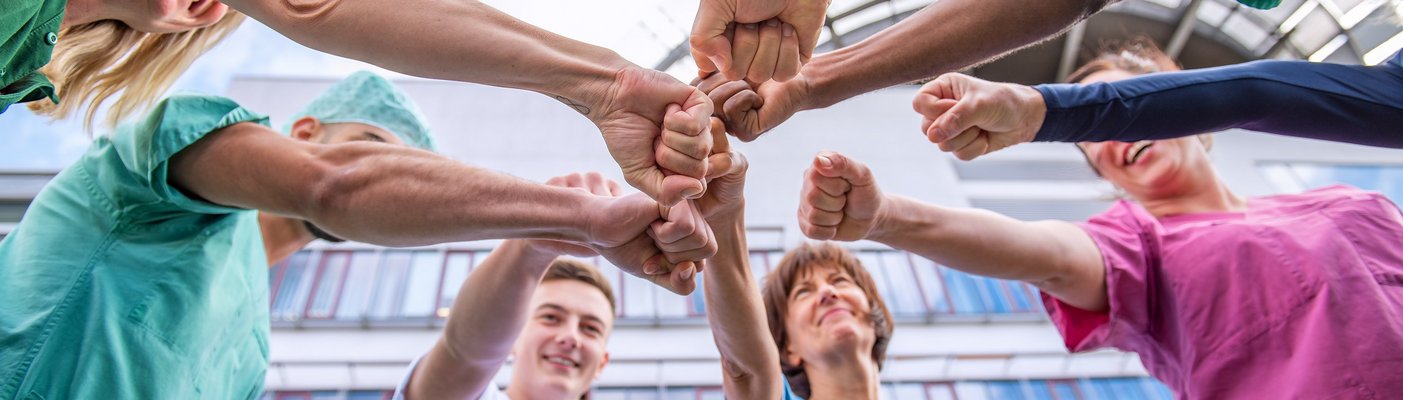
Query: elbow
(336, 180)
(294, 12)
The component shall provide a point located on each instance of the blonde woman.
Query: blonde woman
(86, 52)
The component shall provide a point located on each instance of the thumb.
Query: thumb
(834, 165)
(674, 189)
(962, 116)
(710, 46)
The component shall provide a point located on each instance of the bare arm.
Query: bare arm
(945, 36)
(749, 360)
(457, 40)
(471, 42)
(1057, 257)
(375, 193)
(488, 314)
(841, 201)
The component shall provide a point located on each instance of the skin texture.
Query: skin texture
(341, 180)
(749, 364)
(756, 40)
(152, 16)
(626, 102)
(971, 117)
(945, 36)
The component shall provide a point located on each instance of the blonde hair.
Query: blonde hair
(95, 61)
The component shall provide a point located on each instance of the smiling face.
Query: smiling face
(823, 308)
(829, 316)
(167, 16)
(561, 349)
(1149, 169)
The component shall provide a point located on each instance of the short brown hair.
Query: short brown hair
(780, 282)
(570, 269)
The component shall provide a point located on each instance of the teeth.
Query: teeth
(560, 360)
(1136, 150)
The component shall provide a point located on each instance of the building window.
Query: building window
(1299, 177)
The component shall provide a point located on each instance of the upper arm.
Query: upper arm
(441, 375)
(1079, 272)
(250, 166)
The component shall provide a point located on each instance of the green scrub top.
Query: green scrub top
(116, 285)
(28, 32)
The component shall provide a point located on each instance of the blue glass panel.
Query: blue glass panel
(928, 275)
(1005, 390)
(389, 284)
(964, 290)
(291, 291)
(998, 300)
(424, 274)
(906, 292)
(1021, 300)
(1065, 390)
(1039, 390)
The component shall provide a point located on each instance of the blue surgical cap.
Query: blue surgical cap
(369, 99)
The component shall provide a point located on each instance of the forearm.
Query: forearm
(455, 40)
(487, 315)
(945, 36)
(1346, 103)
(397, 196)
(1056, 256)
(736, 314)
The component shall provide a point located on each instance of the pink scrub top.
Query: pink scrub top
(1299, 297)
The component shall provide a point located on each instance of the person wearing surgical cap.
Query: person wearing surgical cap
(140, 272)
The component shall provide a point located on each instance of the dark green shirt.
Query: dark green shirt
(28, 31)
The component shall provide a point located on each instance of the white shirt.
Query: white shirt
(491, 393)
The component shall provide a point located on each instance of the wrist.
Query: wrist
(888, 219)
(1034, 111)
(588, 84)
(815, 79)
(528, 255)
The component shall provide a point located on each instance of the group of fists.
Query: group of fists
(670, 140)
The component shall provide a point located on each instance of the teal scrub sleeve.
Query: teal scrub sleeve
(145, 150)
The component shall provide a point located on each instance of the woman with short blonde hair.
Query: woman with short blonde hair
(67, 57)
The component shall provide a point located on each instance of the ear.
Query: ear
(603, 362)
(307, 129)
(791, 357)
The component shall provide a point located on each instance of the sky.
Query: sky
(642, 31)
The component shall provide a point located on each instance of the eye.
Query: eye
(801, 291)
(550, 318)
(841, 279)
(593, 330)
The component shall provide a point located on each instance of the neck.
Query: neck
(79, 12)
(1212, 196)
(854, 378)
(282, 236)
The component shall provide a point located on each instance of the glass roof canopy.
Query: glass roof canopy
(1339, 31)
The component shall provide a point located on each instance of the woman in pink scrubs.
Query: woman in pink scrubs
(1223, 297)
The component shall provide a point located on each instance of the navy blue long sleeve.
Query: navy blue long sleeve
(1344, 103)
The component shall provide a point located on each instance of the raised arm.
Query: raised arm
(491, 308)
(1343, 103)
(841, 201)
(945, 36)
(472, 42)
(734, 310)
(400, 196)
